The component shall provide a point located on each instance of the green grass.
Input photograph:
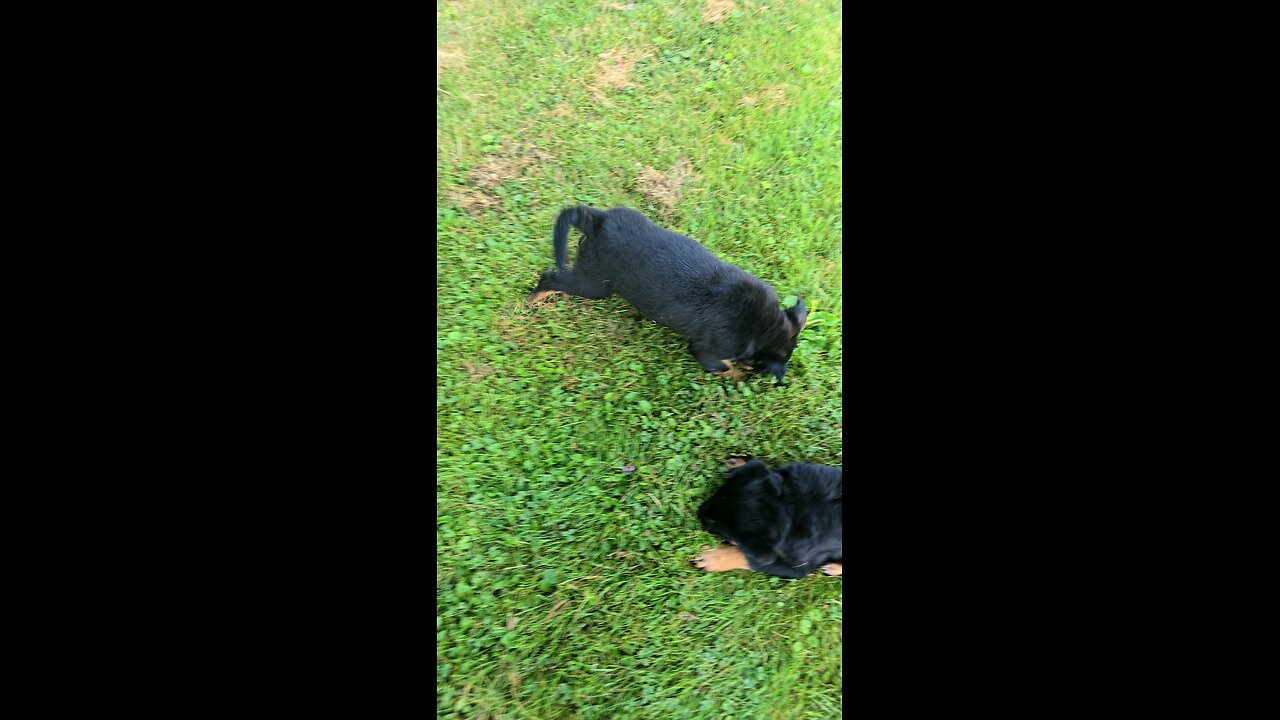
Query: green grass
(564, 587)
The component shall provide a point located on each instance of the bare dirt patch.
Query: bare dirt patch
(447, 58)
(615, 68)
(718, 10)
(767, 98)
(533, 154)
(494, 172)
(664, 189)
(472, 201)
(476, 372)
(506, 165)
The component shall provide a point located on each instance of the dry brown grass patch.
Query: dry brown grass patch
(768, 98)
(664, 189)
(511, 329)
(615, 68)
(448, 57)
(718, 10)
(507, 164)
(476, 372)
(494, 172)
(472, 201)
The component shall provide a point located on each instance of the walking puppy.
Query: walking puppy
(727, 314)
(785, 522)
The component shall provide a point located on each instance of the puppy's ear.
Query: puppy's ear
(775, 483)
(798, 315)
(753, 468)
(767, 546)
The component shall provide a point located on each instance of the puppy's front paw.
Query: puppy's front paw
(721, 559)
(832, 568)
(539, 295)
(733, 373)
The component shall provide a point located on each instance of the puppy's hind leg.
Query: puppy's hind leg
(568, 281)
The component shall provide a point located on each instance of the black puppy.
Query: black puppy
(726, 313)
(784, 522)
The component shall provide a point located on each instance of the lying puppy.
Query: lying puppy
(784, 522)
(727, 314)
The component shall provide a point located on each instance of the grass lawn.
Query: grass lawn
(564, 587)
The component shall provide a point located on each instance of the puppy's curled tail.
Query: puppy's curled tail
(581, 217)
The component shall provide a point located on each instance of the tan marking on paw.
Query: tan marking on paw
(832, 568)
(734, 373)
(541, 295)
(721, 559)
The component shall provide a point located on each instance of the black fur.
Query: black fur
(723, 311)
(787, 522)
